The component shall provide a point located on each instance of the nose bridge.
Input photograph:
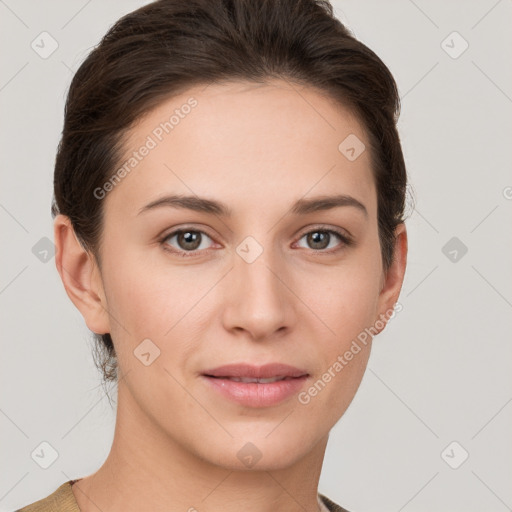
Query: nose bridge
(260, 302)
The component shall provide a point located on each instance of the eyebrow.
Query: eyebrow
(300, 207)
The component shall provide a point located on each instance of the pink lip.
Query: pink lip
(257, 372)
(256, 394)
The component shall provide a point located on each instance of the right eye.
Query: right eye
(189, 241)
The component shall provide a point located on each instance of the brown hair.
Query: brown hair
(165, 47)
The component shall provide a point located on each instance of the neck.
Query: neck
(148, 470)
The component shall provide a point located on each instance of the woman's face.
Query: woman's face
(258, 276)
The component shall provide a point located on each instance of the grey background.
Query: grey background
(440, 372)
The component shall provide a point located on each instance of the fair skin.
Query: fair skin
(258, 149)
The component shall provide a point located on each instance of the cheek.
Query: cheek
(150, 299)
(346, 300)
(347, 310)
(156, 302)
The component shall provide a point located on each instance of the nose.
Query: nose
(259, 301)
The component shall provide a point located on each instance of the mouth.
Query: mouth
(256, 386)
(248, 371)
(253, 380)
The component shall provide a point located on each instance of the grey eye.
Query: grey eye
(188, 239)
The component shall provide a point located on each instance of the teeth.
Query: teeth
(261, 381)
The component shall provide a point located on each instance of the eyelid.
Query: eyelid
(175, 231)
(325, 227)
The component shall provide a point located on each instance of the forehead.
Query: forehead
(249, 144)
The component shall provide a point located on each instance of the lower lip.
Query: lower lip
(257, 394)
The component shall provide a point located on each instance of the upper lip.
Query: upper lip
(256, 372)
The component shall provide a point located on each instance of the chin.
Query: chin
(261, 452)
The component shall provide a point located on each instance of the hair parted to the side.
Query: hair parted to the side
(167, 46)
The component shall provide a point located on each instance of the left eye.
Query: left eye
(320, 238)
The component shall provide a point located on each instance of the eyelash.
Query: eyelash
(345, 239)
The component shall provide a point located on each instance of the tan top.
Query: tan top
(63, 500)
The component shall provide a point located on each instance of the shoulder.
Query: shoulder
(60, 500)
(63, 500)
(331, 506)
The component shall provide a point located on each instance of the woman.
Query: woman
(228, 214)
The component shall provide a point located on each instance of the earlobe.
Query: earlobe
(80, 276)
(394, 277)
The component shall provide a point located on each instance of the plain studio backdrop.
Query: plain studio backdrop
(429, 428)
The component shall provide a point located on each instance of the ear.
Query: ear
(80, 276)
(393, 279)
